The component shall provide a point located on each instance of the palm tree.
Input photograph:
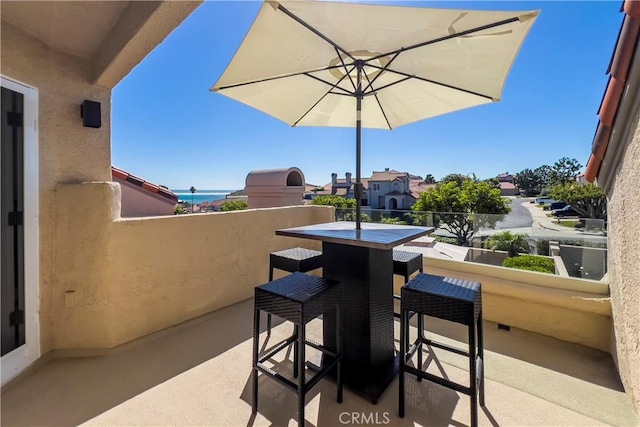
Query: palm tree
(193, 190)
(510, 242)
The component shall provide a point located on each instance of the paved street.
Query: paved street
(526, 218)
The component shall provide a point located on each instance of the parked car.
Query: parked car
(564, 212)
(557, 205)
(543, 200)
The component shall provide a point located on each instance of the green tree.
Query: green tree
(179, 210)
(337, 201)
(588, 199)
(492, 182)
(234, 205)
(544, 175)
(528, 181)
(564, 171)
(463, 209)
(455, 177)
(429, 179)
(513, 243)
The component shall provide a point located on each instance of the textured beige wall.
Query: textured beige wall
(513, 298)
(624, 265)
(68, 152)
(132, 277)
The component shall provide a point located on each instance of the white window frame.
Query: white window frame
(13, 363)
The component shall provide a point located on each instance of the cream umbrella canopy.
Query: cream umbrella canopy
(316, 63)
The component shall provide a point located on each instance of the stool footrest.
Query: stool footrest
(270, 373)
(319, 347)
(276, 348)
(445, 347)
(321, 373)
(438, 380)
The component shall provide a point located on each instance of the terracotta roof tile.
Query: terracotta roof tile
(618, 70)
(152, 188)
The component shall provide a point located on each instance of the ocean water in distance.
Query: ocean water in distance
(201, 196)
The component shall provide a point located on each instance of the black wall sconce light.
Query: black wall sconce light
(90, 113)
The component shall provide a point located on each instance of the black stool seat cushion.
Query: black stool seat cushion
(296, 259)
(406, 263)
(297, 297)
(446, 298)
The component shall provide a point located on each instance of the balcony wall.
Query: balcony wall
(120, 279)
(566, 308)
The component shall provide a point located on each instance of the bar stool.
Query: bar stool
(291, 260)
(450, 299)
(405, 264)
(298, 298)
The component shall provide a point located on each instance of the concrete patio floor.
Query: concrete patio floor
(198, 373)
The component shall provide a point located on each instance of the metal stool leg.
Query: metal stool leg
(339, 353)
(481, 356)
(296, 331)
(420, 340)
(404, 323)
(301, 374)
(254, 373)
(269, 314)
(473, 378)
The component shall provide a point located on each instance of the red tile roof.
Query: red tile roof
(618, 71)
(152, 188)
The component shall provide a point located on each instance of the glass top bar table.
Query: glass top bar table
(362, 260)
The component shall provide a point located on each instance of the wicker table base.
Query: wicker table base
(369, 362)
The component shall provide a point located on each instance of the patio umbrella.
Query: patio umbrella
(316, 63)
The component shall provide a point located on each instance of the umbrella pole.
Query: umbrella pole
(358, 188)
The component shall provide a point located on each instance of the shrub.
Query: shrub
(531, 263)
(510, 242)
(444, 239)
(542, 247)
(234, 205)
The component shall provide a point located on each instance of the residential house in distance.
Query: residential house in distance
(389, 189)
(141, 198)
(507, 187)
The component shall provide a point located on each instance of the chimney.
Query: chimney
(348, 177)
(334, 178)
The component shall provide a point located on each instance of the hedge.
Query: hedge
(531, 263)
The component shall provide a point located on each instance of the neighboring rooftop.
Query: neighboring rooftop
(619, 67)
(160, 190)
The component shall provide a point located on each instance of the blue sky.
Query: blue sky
(169, 129)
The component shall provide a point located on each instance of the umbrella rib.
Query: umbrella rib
(268, 79)
(378, 101)
(323, 97)
(333, 86)
(445, 38)
(382, 71)
(378, 89)
(347, 72)
(435, 82)
(313, 30)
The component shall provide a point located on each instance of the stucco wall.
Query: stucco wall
(624, 264)
(569, 309)
(132, 277)
(68, 152)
